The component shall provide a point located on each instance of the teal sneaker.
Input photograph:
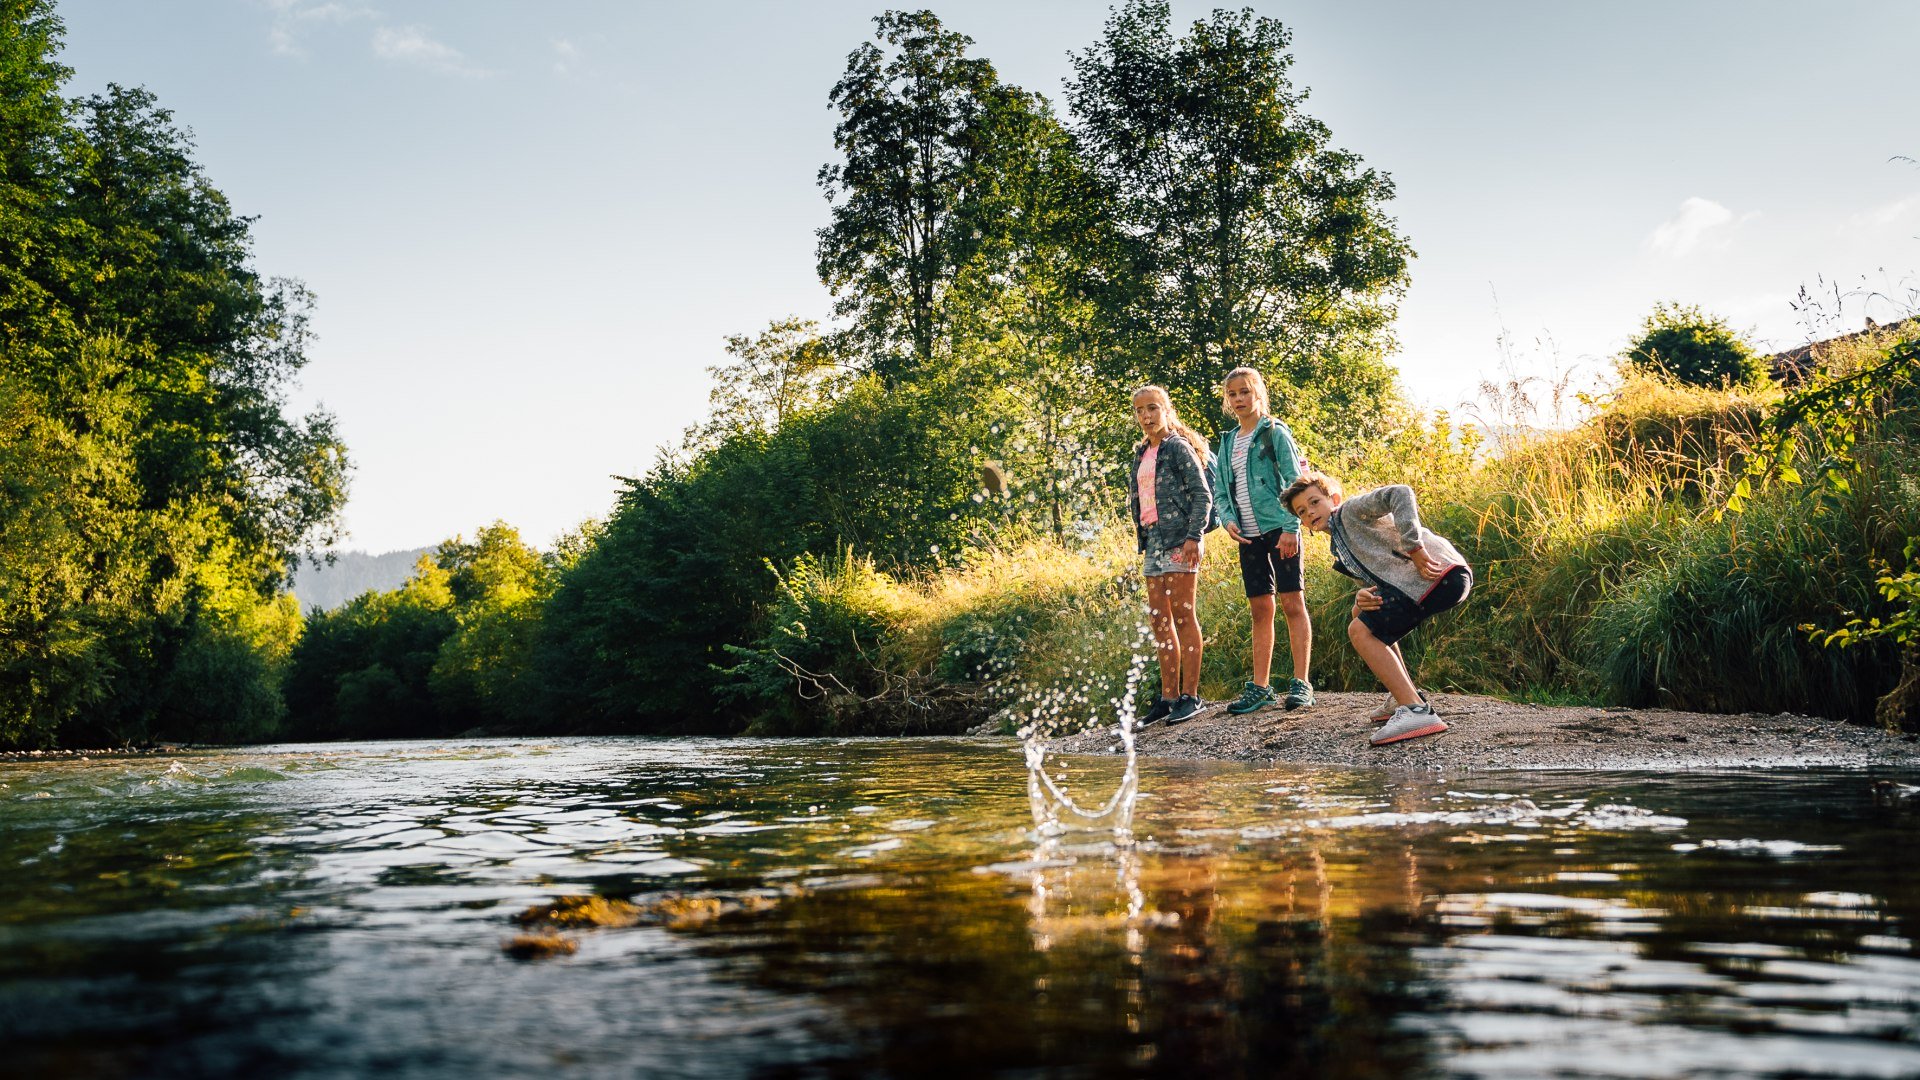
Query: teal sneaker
(1299, 694)
(1252, 698)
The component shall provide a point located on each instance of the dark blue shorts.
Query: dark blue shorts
(1396, 617)
(1263, 571)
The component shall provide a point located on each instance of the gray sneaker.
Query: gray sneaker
(1299, 694)
(1409, 722)
(1184, 707)
(1383, 712)
(1252, 698)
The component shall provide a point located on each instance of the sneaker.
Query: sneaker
(1184, 707)
(1253, 697)
(1156, 714)
(1409, 722)
(1383, 712)
(1299, 694)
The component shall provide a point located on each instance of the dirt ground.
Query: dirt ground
(1485, 733)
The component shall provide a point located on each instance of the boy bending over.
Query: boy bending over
(1408, 575)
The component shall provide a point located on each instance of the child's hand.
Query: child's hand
(1367, 599)
(1428, 566)
(1189, 554)
(1289, 545)
(1235, 533)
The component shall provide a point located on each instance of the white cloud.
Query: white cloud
(566, 57)
(1881, 217)
(1697, 219)
(411, 45)
(291, 18)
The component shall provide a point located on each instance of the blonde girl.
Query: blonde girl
(1168, 500)
(1256, 463)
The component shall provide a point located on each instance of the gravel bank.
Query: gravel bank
(1485, 733)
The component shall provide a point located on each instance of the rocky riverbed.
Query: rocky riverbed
(1486, 733)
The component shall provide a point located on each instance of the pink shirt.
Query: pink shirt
(1149, 461)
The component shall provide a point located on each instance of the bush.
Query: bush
(1687, 344)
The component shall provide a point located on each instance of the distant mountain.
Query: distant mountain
(350, 574)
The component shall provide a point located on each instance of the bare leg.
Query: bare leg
(1299, 632)
(1165, 638)
(1186, 629)
(1401, 659)
(1383, 662)
(1262, 637)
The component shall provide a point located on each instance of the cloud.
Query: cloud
(411, 45)
(1883, 216)
(292, 18)
(566, 57)
(1698, 218)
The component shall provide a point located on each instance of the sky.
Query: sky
(531, 226)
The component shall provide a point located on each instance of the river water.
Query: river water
(888, 908)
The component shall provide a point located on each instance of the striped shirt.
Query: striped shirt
(1242, 496)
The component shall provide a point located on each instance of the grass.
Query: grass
(1602, 577)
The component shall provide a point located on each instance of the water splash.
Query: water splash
(1055, 810)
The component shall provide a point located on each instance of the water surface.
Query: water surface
(889, 908)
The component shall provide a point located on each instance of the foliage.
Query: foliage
(1689, 345)
(906, 196)
(156, 489)
(363, 671)
(1244, 236)
(788, 368)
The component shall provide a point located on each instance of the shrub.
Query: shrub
(1694, 347)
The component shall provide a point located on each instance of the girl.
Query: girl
(1168, 500)
(1255, 464)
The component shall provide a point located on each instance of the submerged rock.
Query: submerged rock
(539, 946)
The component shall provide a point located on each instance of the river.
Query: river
(856, 908)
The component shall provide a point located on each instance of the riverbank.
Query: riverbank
(1487, 733)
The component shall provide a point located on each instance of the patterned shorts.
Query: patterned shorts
(1161, 562)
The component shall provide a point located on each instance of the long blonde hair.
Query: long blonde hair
(1194, 438)
(1259, 384)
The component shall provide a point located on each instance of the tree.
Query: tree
(1694, 347)
(789, 366)
(499, 586)
(156, 489)
(1244, 236)
(905, 214)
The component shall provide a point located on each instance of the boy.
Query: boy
(1409, 575)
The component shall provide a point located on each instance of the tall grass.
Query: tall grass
(1602, 575)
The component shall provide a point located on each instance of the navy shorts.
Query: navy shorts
(1263, 571)
(1400, 613)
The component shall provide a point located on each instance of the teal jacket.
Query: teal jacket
(1273, 464)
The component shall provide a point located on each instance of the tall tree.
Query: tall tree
(155, 488)
(1244, 235)
(787, 367)
(905, 196)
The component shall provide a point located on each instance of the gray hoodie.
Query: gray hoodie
(1372, 533)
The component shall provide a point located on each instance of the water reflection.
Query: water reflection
(339, 911)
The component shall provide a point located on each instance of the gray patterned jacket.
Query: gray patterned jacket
(1179, 493)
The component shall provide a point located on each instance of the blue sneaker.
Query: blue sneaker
(1184, 707)
(1252, 698)
(1161, 707)
(1299, 694)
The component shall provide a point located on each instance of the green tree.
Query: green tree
(905, 196)
(364, 670)
(1694, 347)
(499, 586)
(1244, 235)
(156, 488)
(787, 367)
